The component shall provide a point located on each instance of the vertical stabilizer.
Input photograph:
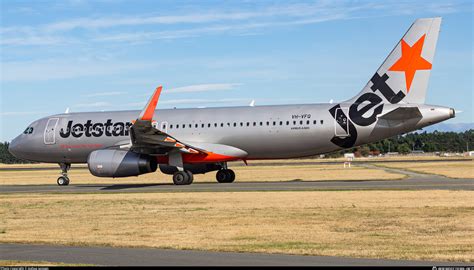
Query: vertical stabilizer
(403, 76)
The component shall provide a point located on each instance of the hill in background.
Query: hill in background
(450, 127)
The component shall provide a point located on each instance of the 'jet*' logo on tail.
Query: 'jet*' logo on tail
(409, 62)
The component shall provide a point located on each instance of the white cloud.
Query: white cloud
(202, 101)
(98, 104)
(105, 94)
(189, 101)
(204, 88)
(21, 113)
(44, 70)
(225, 20)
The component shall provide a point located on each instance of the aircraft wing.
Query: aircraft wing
(147, 139)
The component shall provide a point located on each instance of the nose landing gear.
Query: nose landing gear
(63, 180)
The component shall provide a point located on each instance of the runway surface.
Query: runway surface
(165, 257)
(149, 256)
(412, 183)
(253, 163)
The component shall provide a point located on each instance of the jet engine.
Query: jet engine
(118, 163)
(194, 168)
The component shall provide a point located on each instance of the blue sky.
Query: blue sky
(111, 54)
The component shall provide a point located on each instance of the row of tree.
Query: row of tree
(403, 144)
(426, 142)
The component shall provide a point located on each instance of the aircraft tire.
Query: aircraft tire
(230, 176)
(221, 176)
(63, 181)
(225, 176)
(182, 178)
(190, 177)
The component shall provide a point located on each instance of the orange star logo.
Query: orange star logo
(411, 61)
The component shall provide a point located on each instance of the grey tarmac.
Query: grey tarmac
(255, 163)
(414, 181)
(166, 257)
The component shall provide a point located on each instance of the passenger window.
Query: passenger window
(196, 125)
(184, 125)
(215, 124)
(274, 123)
(314, 122)
(322, 122)
(190, 125)
(235, 124)
(177, 126)
(171, 126)
(222, 124)
(202, 125)
(301, 122)
(254, 123)
(307, 122)
(209, 125)
(268, 123)
(261, 123)
(287, 123)
(294, 122)
(241, 124)
(248, 124)
(281, 123)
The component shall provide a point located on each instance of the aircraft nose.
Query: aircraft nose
(13, 147)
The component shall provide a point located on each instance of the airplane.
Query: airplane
(184, 142)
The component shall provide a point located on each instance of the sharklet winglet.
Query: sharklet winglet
(149, 110)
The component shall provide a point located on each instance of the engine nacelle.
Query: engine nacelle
(194, 168)
(118, 163)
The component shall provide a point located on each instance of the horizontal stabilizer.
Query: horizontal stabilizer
(402, 113)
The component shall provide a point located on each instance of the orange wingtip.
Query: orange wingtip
(149, 110)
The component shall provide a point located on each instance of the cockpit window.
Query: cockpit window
(28, 130)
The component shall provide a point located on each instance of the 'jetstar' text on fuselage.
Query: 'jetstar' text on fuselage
(90, 129)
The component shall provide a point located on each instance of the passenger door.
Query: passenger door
(341, 123)
(50, 131)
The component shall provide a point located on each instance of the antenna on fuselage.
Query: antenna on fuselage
(67, 110)
(252, 103)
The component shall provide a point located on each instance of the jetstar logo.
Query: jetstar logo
(89, 129)
(409, 62)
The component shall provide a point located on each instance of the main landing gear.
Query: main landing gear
(186, 177)
(225, 176)
(183, 178)
(63, 180)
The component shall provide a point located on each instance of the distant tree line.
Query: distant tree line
(426, 142)
(403, 144)
(6, 157)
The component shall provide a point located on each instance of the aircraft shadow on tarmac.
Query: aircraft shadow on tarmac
(141, 185)
(122, 186)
